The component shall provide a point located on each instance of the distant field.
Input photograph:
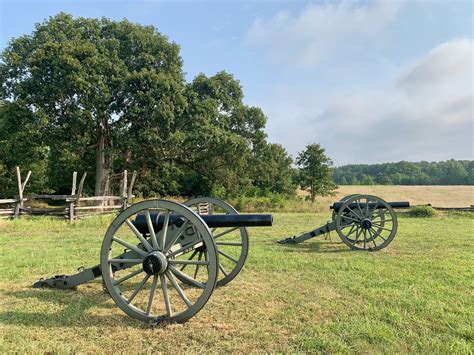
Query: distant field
(413, 297)
(439, 196)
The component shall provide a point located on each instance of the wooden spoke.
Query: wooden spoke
(166, 298)
(373, 210)
(380, 227)
(352, 230)
(130, 246)
(372, 238)
(223, 270)
(139, 235)
(178, 289)
(360, 209)
(151, 230)
(189, 262)
(152, 294)
(140, 286)
(227, 256)
(197, 265)
(351, 219)
(355, 214)
(192, 256)
(377, 234)
(129, 276)
(377, 223)
(225, 232)
(162, 241)
(183, 276)
(358, 233)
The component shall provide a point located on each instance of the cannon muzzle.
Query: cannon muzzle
(212, 220)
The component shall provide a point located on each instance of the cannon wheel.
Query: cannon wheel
(382, 216)
(363, 227)
(155, 295)
(234, 251)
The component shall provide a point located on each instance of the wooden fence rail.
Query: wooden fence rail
(76, 206)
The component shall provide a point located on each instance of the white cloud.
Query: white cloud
(320, 29)
(424, 113)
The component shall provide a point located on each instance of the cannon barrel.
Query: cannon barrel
(212, 221)
(401, 204)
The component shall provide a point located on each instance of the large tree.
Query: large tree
(272, 169)
(315, 171)
(219, 134)
(103, 96)
(91, 84)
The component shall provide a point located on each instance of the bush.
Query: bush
(421, 212)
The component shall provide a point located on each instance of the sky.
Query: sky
(371, 81)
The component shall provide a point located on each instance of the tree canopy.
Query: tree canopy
(101, 96)
(315, 173)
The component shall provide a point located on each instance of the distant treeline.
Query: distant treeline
(451, 172)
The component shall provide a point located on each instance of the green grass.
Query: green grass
(414, 296)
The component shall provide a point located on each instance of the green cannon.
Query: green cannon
(160, 261)
(363, 222)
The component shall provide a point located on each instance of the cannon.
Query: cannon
(363, 222)
(160, 261)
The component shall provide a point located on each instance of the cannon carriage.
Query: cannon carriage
(363, 222)
(160, 261)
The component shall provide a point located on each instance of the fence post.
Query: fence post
(73, 192)
(79, 190)
(21, 189)
(124, 190)
(130, 187)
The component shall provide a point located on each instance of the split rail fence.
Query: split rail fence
(75, 205)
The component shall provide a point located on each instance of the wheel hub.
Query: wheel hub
(366, 223)
(155, 263)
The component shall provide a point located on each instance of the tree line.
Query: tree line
(450, 172)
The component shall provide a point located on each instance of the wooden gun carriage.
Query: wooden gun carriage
(363, 222)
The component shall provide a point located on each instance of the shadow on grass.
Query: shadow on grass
(321, 246)
(73, 306)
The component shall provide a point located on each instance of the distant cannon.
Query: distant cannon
(363, 222)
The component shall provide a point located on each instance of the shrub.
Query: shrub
(421, 212)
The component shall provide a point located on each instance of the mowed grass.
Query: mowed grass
(414, 296)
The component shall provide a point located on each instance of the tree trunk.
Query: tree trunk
(102, 166)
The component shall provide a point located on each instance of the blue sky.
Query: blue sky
(371, 81)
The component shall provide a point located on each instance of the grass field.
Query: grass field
(414, 296)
